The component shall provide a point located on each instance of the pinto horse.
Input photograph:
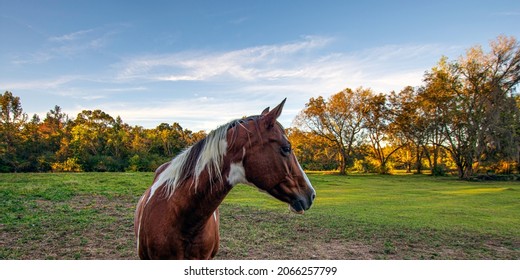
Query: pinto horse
(178, 218)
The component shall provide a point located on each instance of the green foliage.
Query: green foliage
(93, 141)
(439, 170)
(313, 153)
(363, 166)
(12, 120)
(70, 165)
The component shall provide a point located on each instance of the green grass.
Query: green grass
(90, 216)
(406, 216)
(68, 216)
(406, 201)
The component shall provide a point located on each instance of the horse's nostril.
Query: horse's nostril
(313, 196)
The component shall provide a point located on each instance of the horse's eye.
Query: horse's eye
(286, 150)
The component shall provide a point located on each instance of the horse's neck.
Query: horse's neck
(200, 202)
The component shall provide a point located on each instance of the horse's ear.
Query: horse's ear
(265, 111)
(271, 116)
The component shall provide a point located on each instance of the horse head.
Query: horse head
(268, 161)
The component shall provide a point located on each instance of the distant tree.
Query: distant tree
(472, 93)
(139, 149)
(89, 140)
(169, 140)
(405, 158)
(52, 132)
(312, 152)
(338, 120)
(435, 98)
(12, 120)
(118, 137)
(33, 148)
(502, 151)
(379, 131)
(409, 123)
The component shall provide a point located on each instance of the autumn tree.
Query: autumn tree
(502, 151)
(469, 102)
(170, 140)
(52, 131)
(480, 84)
(12, 120)
(337, 120)
(90, 134)
(312, 152)
(377, 123)
(409, 123)
(33, 147)
(435, 97)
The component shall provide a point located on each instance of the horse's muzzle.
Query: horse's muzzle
(302, 203)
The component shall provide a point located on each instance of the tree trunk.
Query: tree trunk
(418, 160)
(343, 162)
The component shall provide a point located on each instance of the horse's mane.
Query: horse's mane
(207, 154)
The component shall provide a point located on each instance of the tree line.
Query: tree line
(93, 141)
(465, 116)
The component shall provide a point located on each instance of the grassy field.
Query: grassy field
(90, 216)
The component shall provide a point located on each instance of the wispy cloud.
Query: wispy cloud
(40, 84)
(37, 57)
(71, 36)
(239, 20)
(125, 89)
(66, 46)
(508, 14)
(302, 63)
(244, 64)
(297, 70)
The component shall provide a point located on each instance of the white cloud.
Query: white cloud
(41, 84)
(125, 89)
(244, 64)
(32, 58)
(66, 46)
(71, 36)
(304, 63)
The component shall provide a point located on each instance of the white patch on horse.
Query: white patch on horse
(139, 216)
(237, 174)
(138, 233)
(305, 177)
(153, 188)
(215, 215)
(211, 156)
(170, 175)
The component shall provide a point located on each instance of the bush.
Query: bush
(70, 165)
(364, 166)
(439, 170)
(148, 162)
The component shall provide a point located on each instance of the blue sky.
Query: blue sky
(203, 63)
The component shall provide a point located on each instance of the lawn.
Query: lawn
(90, 216)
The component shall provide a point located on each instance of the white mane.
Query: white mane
(206, 154)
